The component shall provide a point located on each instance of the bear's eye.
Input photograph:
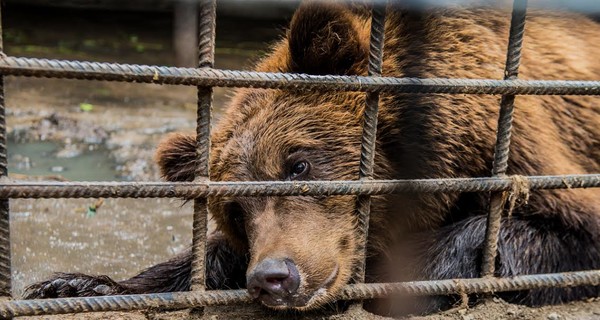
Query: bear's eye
(299, 169)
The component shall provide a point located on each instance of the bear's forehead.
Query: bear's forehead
(258, 151)
(275, 116)
(262, 128)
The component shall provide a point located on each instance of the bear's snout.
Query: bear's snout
(273, 281)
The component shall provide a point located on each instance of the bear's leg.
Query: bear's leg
(225, 269)
(527, 245)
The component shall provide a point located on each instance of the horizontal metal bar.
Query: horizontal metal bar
(178, 300)
(35, 190)
(32, 67)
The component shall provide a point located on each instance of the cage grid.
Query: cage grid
(205, 77)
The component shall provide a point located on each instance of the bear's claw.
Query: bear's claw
(64, 285)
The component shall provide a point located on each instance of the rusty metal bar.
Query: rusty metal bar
(179, 300)
(369, 136)
(189, 190)
(501, 150)
(32, 67)
(5, 274)
(206, 56)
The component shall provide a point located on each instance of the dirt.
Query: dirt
(128, 120)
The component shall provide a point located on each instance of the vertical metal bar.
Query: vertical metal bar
(5, 274)
(206, 47)
(368, 142)
(501, 151)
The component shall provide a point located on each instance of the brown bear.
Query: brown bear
(297, 252)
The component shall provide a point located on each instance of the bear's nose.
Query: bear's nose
(273, 279)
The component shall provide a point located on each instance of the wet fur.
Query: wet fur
(419, 136)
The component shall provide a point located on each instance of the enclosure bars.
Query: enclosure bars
(369, 136)
(178, 300)
(5, 275)
(501, 149)
(206, 56)
(190, 190)
(202, 188)
(85, 70)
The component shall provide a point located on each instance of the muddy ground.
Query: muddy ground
(89, 130)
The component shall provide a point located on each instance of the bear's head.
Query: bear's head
(302, 250)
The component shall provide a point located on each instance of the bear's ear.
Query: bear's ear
(323, 39)
(176, 157)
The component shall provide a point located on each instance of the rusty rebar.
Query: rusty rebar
(501, 149)
(190, 190)
(32, 67)
(369, 136)
(513, 60)
(178, 300)
(5, 274)
(207, 31)
(206, 56)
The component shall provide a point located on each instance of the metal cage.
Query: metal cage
(205, 77)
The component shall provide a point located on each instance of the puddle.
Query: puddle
(122, 238)
(39, 158)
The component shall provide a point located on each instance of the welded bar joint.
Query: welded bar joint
(206, 53)
(502, 146)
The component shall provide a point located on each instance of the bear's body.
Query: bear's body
(280, 135)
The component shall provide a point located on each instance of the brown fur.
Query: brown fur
(419, 136)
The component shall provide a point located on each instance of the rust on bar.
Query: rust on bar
(206, 50)
(369, 135)
(32, 67)
(5, 273)
(191, 190)
(178, 300)
(501, 150)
